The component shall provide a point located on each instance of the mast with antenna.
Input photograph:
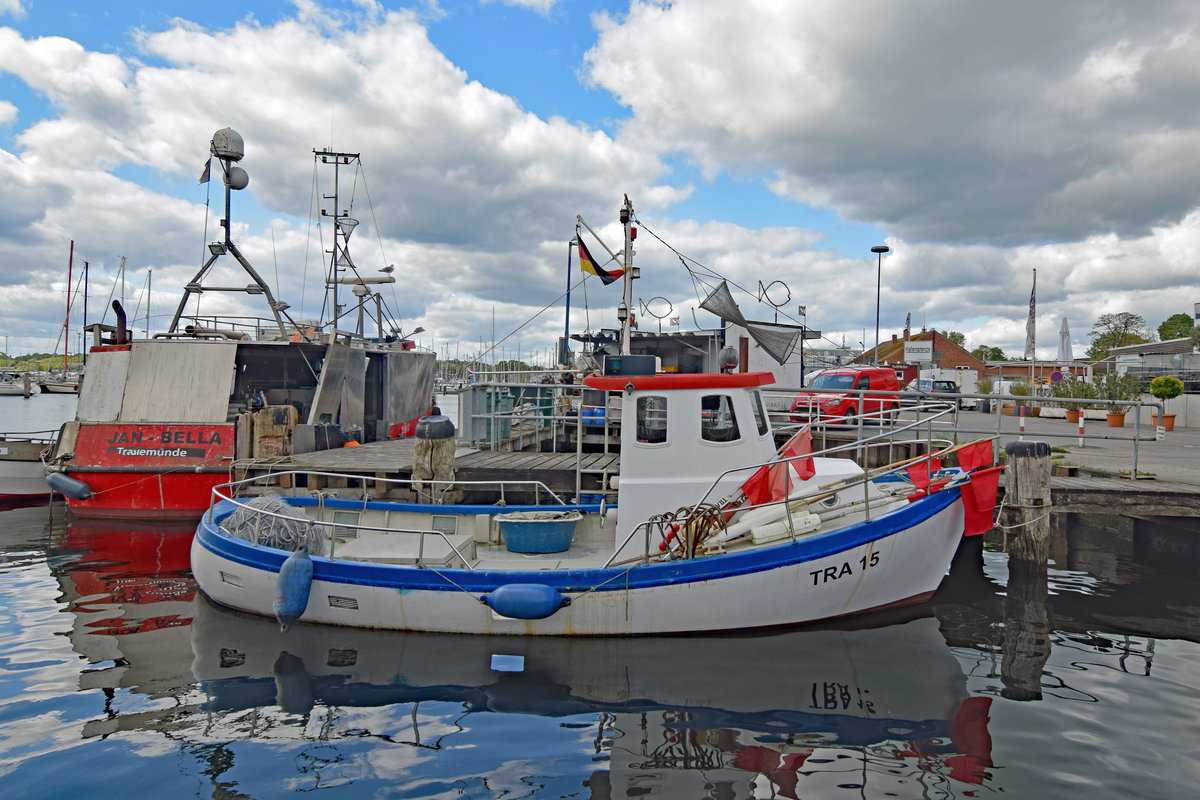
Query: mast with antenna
(228, 148)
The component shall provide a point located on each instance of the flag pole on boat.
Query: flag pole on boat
(564, 351)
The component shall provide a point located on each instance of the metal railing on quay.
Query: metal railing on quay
(997, 415)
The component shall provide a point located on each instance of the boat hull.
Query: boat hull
(149, 471)
(151, 495)
(21, 472)
(897, 558)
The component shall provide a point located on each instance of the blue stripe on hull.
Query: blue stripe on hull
(669, 573)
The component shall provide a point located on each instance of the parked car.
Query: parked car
(829, 405)
(924, 389)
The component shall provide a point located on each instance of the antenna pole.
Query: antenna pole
(623, 311)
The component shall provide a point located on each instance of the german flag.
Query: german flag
(588, 264)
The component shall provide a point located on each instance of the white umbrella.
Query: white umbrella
(1064, 344)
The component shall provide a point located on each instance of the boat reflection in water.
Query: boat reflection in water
(253, 710)
(670, 715)
(130, 593)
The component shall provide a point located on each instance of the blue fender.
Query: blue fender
(292, 588)
(71, 487)
(293, 685)
(525, 600)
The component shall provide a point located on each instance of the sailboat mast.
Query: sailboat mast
(67, 319)
(85, 301)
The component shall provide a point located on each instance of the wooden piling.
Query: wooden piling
(1027, 493)
(1027, 622)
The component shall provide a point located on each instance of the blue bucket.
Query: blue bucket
(538, 531)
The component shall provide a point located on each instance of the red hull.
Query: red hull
(149, 471)
(160, 495)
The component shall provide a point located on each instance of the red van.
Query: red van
(829, 405)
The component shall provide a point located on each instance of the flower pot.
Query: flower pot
(1168, 421)
(1116, 419)
(1033, 411)
(1073, 415)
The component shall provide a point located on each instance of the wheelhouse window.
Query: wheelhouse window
(760, 416)
(718, 423)
(652, 419)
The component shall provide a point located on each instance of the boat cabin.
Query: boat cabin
(678, 433)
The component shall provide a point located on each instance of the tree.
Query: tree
(958, 338)
(987, 353)
(1117, 330)
(1176, 326)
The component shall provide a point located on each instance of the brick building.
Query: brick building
(946, 355)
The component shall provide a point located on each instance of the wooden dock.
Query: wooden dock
(1123, 496)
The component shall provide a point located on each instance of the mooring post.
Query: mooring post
(1027, 493)
(1026, 615)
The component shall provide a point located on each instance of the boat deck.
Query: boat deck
(393, 459)
(581, 555)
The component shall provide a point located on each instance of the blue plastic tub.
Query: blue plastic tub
(538, 531)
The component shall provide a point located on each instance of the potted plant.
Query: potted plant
(1021, 389)
(1166, 387)
(1118, 393)
(1078, 390)
(984, 386)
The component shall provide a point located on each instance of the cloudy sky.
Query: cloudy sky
(765, 140)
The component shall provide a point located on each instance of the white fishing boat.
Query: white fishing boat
(715, 528)
(162, 419)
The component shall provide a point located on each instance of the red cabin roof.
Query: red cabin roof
(697, 380)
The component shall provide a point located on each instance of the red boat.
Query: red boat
(161, 420)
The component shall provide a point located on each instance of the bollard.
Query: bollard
(1026, 644)
(433, 459)
(1027, 493)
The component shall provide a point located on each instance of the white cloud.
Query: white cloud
(985, 141)
(543, 7)
(12, 8)
(940, 120)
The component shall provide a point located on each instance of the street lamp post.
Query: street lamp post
(878, 250)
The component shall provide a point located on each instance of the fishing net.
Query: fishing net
(779, 341)
(268, 520)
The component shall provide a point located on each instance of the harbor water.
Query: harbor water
(118, 677)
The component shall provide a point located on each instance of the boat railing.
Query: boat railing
(329, 531)
(34, 437)
(45, 440)
(716, 503)
(237, 328)
(434, 496)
